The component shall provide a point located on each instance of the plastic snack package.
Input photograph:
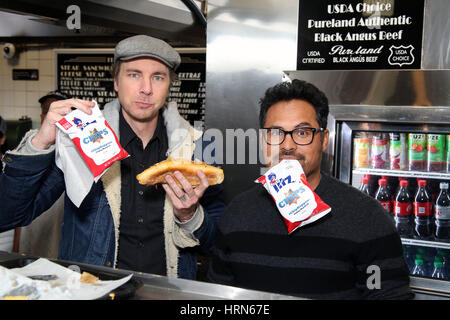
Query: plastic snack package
(295, 200)
(94, 139)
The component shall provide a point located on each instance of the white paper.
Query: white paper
(67, 285)
(77, 176)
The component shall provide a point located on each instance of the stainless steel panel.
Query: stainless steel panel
(381, 87)
(249, 44)
(436, 39)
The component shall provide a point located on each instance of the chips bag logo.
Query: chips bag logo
(291, 197)
(401, 55)
(272, 178)
(280, 183)
(95, 136)
(79, 123)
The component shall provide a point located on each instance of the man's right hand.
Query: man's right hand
(46, 135)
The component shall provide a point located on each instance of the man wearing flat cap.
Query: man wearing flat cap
(120, 223)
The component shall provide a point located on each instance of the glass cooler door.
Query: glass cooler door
(369, 152)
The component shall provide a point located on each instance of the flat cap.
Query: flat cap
(54, 94)
(146, 46)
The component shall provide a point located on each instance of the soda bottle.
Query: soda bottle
(448, 153)
(445, 263)
(417, 151)
(383, 196)
(364, 187)
(419, 269)
(403, 208)
(442, 213)
(362, 150)
(422, 212)
(438, 271)
(389, 188)
(380, 151)
(408, 253)
(398, 151)
(436, 152)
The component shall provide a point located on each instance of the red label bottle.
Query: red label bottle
(382, 195)
(403, 208)
(423, 212)
(364, 187)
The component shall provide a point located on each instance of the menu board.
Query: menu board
(190, 89)
(86, 74)
(360, 34)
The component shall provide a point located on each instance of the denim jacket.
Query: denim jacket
(31, 182)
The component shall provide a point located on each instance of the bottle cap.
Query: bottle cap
(422, 183)
(403, 183)
(382, 182)
(365, 180)
(418, 262)
(438, 264)
(443, 185)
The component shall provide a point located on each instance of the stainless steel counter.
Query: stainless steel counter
(163, 288)
(157, 287)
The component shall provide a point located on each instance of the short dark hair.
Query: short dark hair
(295, 90)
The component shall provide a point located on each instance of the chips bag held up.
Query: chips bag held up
(295, 200)
(94, 139)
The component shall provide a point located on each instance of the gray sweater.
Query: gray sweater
(354, 252)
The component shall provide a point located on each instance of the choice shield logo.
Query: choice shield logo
(401, 55)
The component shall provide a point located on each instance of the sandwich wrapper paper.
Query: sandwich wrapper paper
(297, 203)
(65, 286)
(77, 176)
(85, 148)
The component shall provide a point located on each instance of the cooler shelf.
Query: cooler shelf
(403, 173)
(426, 243)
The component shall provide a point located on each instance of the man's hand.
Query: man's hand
(46, 135)
(185, 200)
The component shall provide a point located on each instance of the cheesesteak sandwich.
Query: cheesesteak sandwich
(157, 173)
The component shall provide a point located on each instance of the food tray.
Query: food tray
(125, 291)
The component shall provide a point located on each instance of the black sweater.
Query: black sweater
(335, 257)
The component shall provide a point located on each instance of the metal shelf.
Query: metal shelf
(426, 243)
(403, 173)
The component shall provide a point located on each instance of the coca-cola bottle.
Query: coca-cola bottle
(403, 208)
(389, 188)
(383, 196)
(364, 187)
(423, 212)
(442, 211)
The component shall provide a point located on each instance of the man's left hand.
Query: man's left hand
(185, 200)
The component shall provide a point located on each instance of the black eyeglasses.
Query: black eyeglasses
(301, 136)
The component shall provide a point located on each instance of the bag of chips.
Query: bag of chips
(94, 139)
(295, 200)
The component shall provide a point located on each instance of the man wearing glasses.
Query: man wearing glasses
(354, 252)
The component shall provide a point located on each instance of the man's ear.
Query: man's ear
(325, 137)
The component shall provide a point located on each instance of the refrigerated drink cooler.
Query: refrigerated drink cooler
(395, 125)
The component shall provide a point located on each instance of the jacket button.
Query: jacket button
(8, 159)
(108, 264)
